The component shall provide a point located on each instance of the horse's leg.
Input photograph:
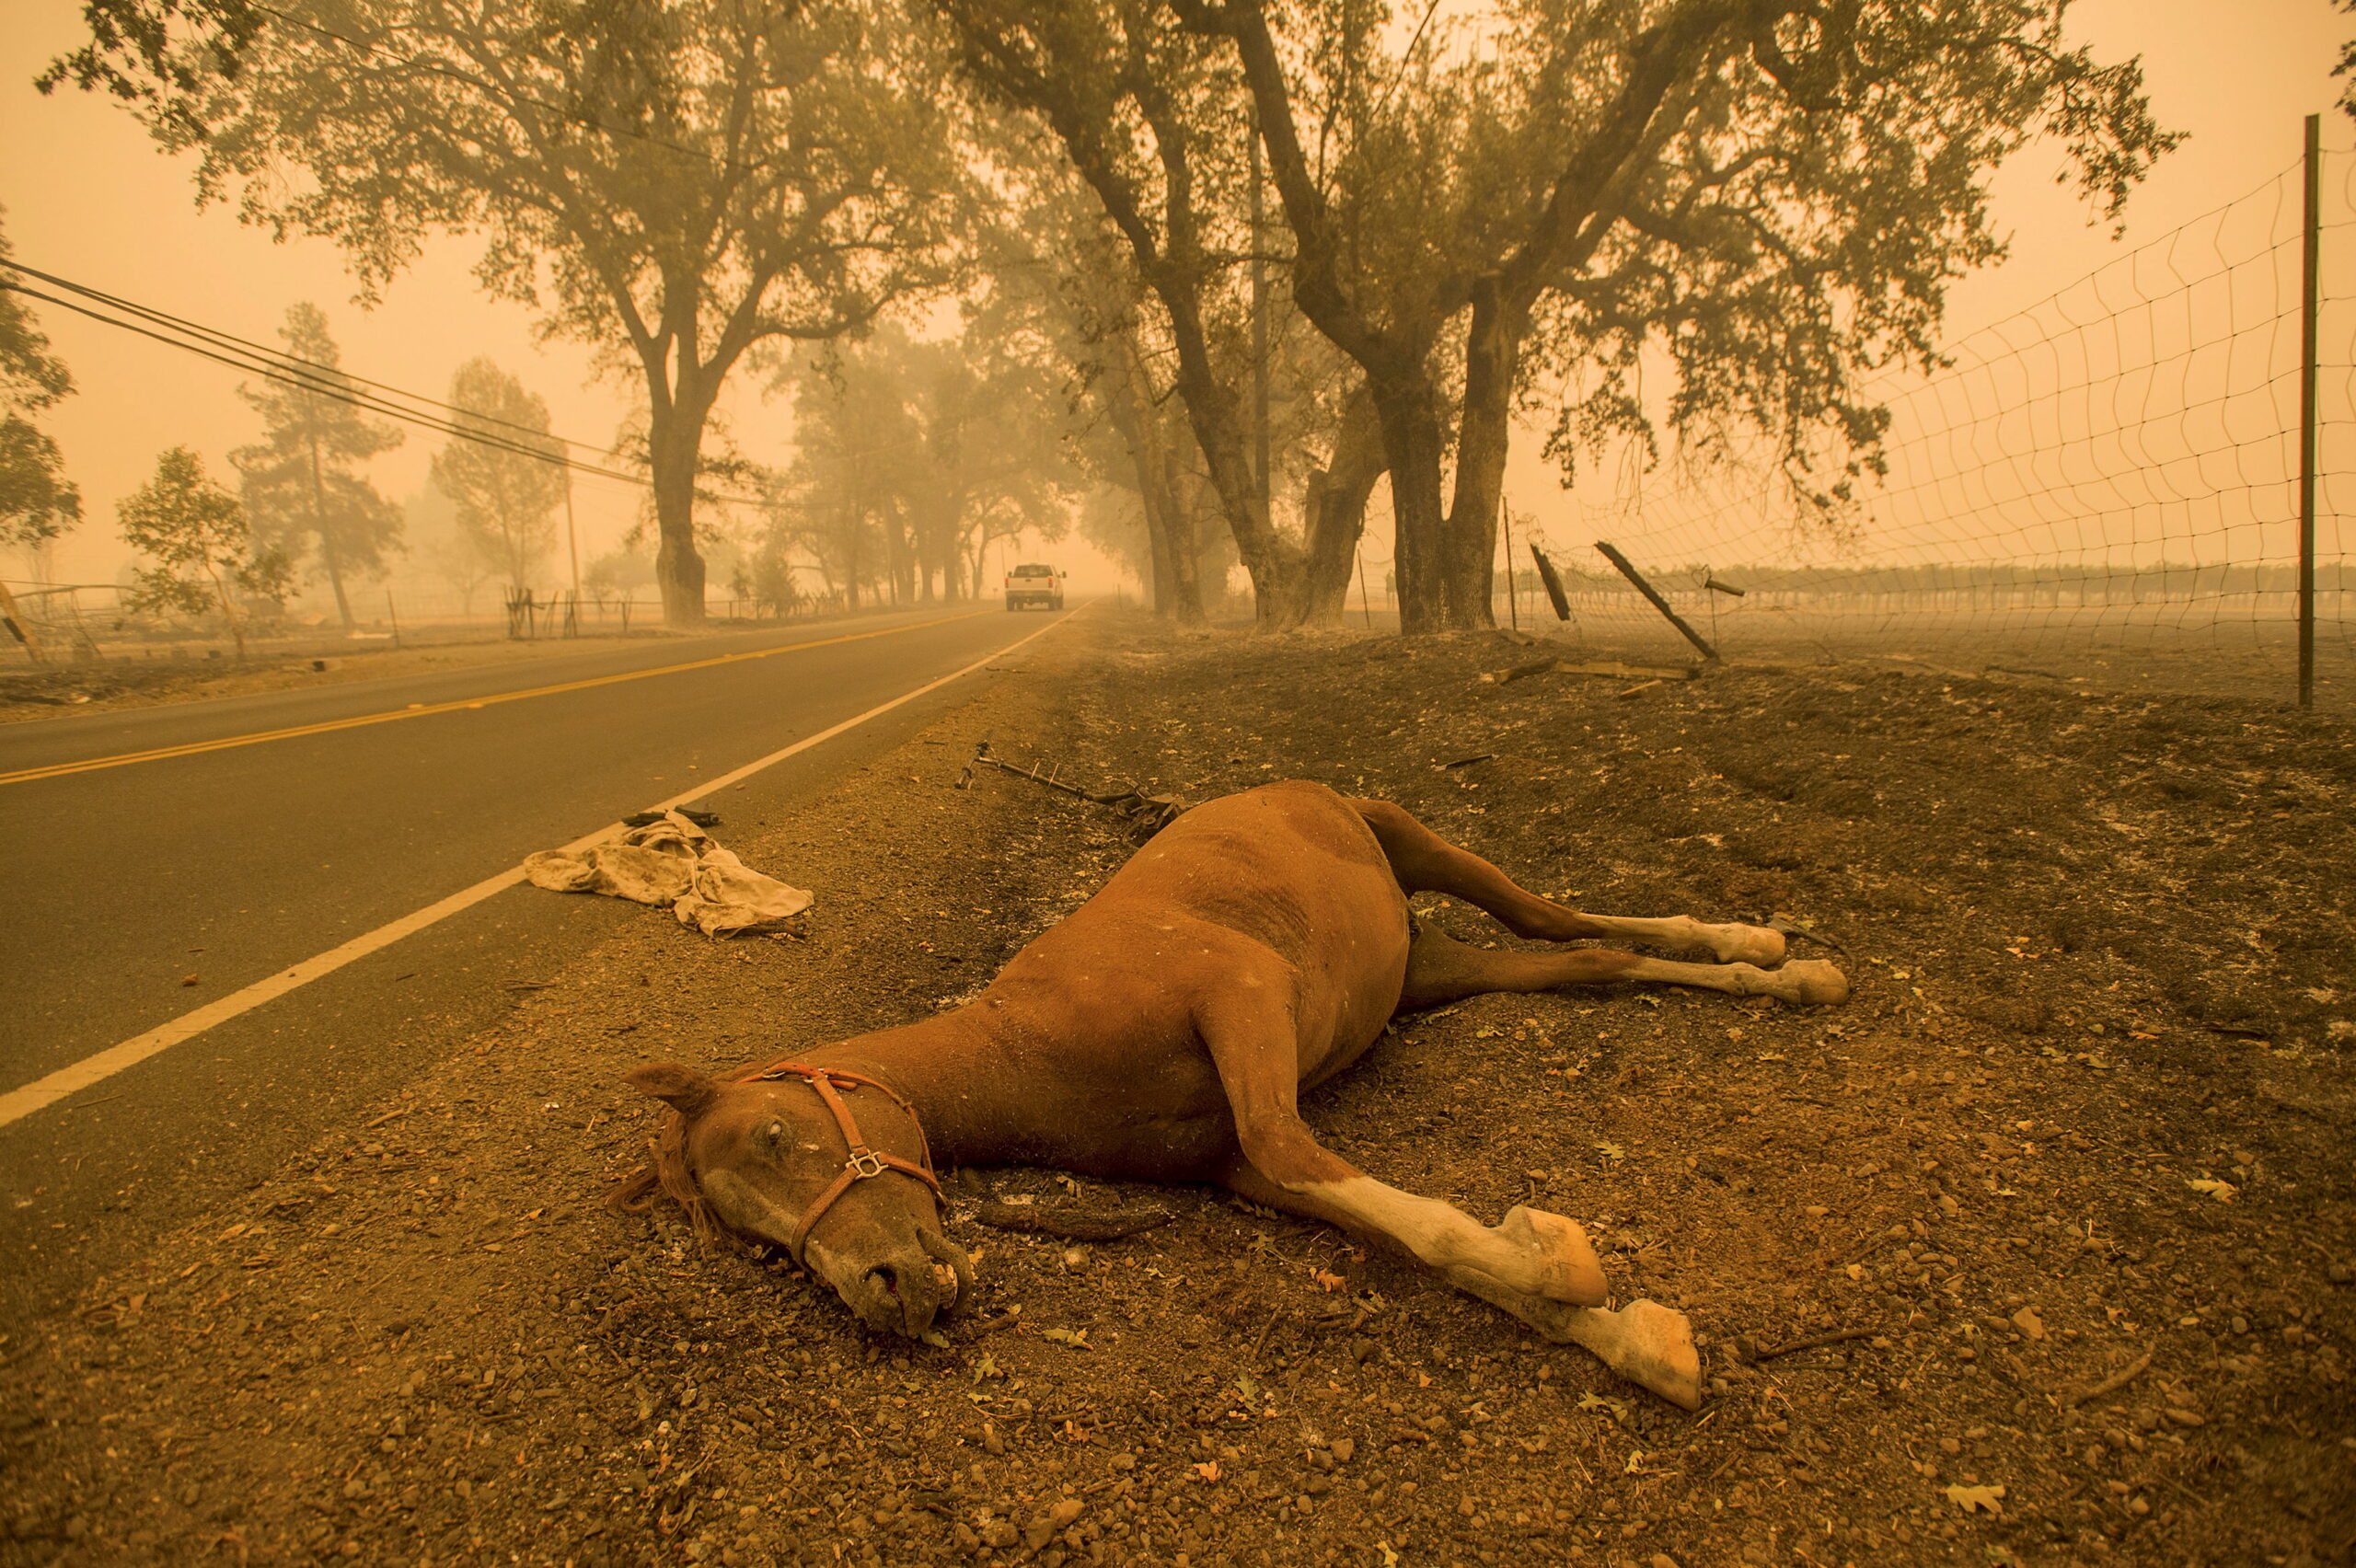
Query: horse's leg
(1649, 1345)
(1247, 1022)
(1425, 862)
(1441, 970)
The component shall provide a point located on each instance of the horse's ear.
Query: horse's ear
(685, 1089)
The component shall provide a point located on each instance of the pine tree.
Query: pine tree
(305, 500)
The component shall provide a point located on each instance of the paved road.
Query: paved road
(229, 864)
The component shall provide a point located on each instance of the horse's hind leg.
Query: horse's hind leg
(1441, 970)
(1425, 862)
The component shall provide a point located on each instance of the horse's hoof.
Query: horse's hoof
(1745, 944)
(1566, 1268)
(1656, 1352)
(1814, 983)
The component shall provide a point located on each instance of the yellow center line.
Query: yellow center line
(422, 711)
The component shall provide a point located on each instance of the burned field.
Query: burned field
(2037, 1250)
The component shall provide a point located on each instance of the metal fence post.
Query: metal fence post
(2310, 259)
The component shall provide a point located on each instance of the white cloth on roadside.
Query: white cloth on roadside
(675, 865)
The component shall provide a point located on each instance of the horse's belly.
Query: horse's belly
(1198, 1149)
(1346, 1006)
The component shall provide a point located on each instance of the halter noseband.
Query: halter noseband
(861, 1162)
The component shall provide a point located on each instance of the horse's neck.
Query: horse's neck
(951, 1070)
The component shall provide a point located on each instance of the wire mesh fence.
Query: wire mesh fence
(2103, 486)
(60, 625)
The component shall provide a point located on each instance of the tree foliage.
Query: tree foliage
(504, 500)
(38, 502)
(301, 484)
(912, 457)
(1135, 239)
(1549, 207)
(142, 50)
(672, 183)
(1151, 117)
(1773, 196)
(198, 546)
(2347, 67)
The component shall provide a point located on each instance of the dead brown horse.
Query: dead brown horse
(1257, 946)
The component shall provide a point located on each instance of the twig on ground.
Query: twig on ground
(1148, 814)
(1254, 1354)
(2109, 1385)
(1813, 1342)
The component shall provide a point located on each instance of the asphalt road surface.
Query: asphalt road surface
(225, 865)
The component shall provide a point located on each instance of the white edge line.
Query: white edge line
(68, 1080)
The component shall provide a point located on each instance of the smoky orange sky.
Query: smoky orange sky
(88, 196)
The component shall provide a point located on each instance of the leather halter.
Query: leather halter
(861, 1162)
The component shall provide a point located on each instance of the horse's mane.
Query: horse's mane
(667, 1171)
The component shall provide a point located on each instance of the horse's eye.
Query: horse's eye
(777, 1132)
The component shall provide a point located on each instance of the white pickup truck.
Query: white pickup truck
(1032, 585)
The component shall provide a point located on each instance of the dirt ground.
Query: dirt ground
(2085, 1127)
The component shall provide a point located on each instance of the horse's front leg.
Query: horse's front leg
(1649, 1345)
(1246, 1019)
(1536, 1265)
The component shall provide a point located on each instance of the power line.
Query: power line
(344, 386)
(310, 383)
(328, 372)
(327, 381)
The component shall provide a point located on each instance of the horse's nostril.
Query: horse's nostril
(887, 1276)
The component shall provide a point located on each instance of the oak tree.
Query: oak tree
(672, 184)
(1770, 195)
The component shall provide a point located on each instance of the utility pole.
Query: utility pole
(571, 536)
(2311, 258)
(573, 544)
(1259, 330)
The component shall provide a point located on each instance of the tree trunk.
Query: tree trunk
(1176, 587)
(1161, 583)
(1469, 548)
(228, 610)
(327, 542)
(1408, 407)
(676, 441)
(1335, 508)
(1185, 529)
(952, 558)
(335, 580)
(1273, 564)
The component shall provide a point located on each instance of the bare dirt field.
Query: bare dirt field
(2037, 1251)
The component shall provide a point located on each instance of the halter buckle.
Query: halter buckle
(864, 1163)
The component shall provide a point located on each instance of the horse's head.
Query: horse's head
(832, 1168)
